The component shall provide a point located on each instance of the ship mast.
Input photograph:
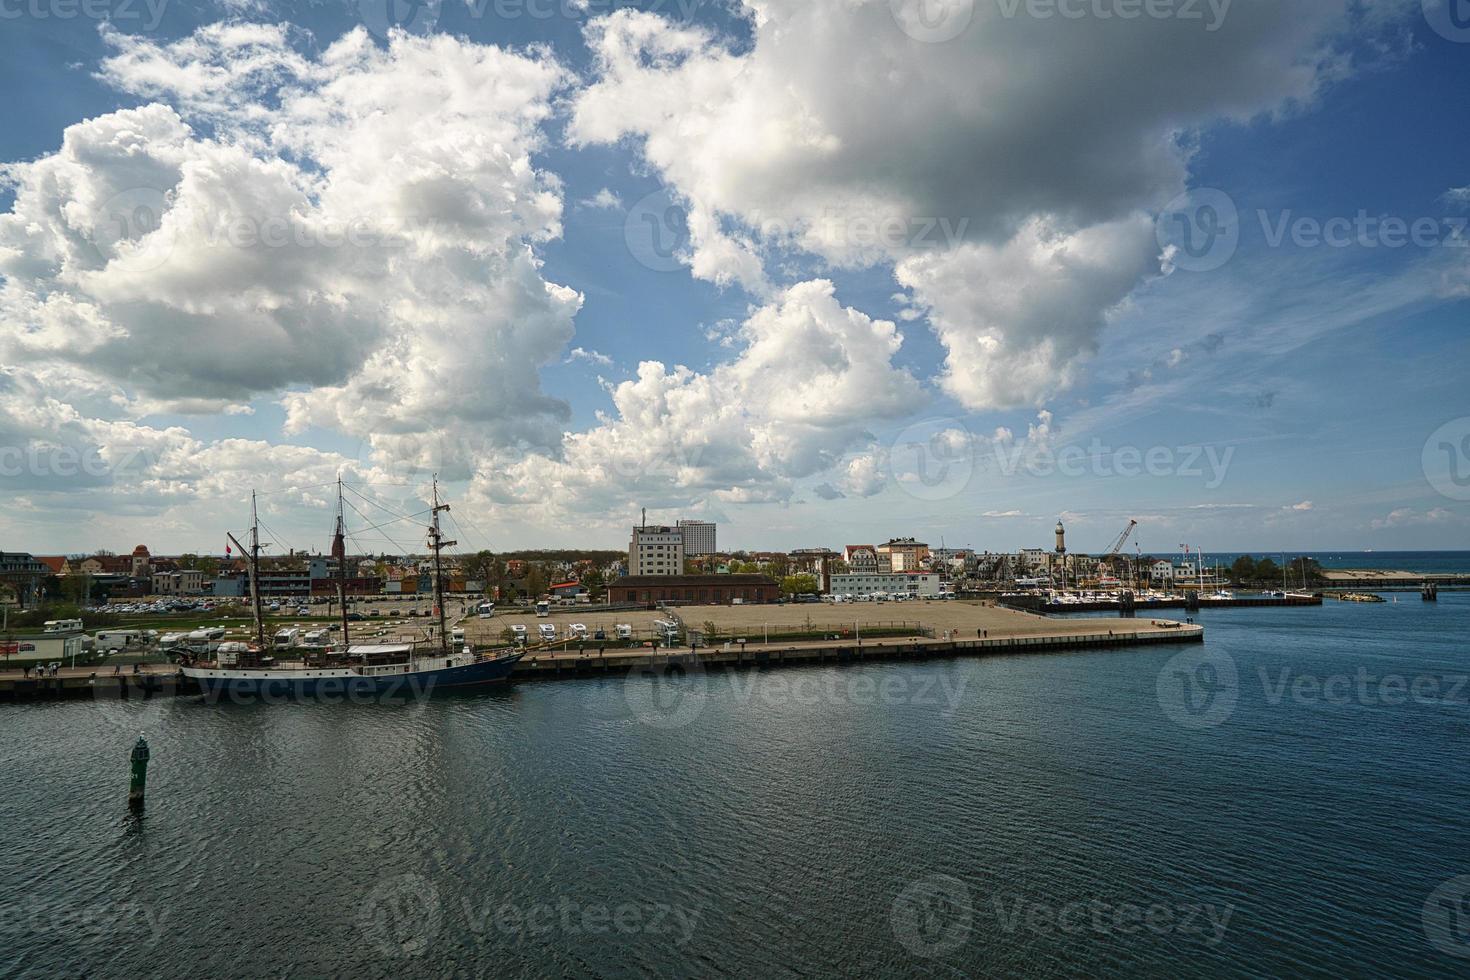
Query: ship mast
(437, 542)
(254, 565)
(339, 552)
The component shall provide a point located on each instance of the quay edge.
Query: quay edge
(106, 688)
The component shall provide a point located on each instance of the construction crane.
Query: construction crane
(1121, 540)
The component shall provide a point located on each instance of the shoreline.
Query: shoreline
(1027, 633)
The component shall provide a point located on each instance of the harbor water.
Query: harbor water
(1288, 798)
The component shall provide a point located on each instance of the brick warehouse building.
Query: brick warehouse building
(702, 589)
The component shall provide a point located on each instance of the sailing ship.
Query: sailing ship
(346, 670)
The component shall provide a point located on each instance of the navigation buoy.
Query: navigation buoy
(138, 784)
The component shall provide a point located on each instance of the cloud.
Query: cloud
(1409, 517)
(809, 375)
(602, 200)
(582, 354)
(1018, 214)
(1303, 506)
(354, 232)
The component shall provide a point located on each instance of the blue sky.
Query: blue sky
(1037, 340)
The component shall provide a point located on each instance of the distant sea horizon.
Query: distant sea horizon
(1427, 562)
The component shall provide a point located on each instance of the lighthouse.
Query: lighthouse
(1061, 539)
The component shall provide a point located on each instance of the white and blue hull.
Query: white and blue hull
(425, 676)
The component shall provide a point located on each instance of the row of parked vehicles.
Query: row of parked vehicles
(547, 632)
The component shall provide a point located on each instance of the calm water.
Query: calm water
(1128, 812)
(1425, 562)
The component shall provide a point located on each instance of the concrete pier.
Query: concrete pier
(573, 663)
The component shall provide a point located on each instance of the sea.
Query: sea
(1289, 798)
(1425, 562)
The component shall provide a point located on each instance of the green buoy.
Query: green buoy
(138, 784)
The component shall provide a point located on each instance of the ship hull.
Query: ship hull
(346, 683)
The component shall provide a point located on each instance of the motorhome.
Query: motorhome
(109, 641)
(287, 638)
(625, 631)
(577, 631)
(316, 638)
(62, 626)
(547, 631)
(228, 654)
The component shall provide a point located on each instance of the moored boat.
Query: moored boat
(375, 670)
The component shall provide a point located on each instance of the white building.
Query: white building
(699, 537)
(656, 551)
(1161, 571)
(186, 581)
(893, 583)
(861, 558)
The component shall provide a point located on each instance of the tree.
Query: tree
(1244, 569)
(477, 566)
(800, 585)
(594, 582)
(535, 581)
(1268, 572)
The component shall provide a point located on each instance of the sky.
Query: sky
(822, 271)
